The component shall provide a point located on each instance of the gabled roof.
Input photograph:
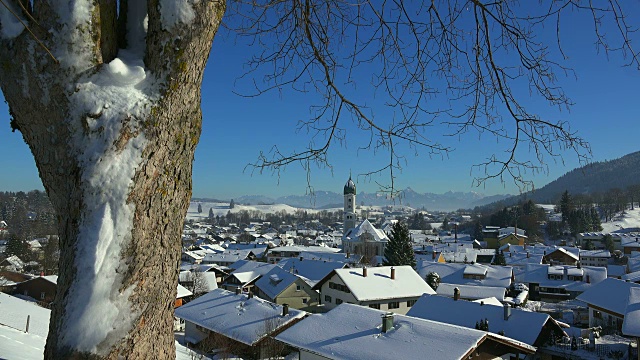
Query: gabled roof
(378, 285)
(566, 252)
(366, 226)
(538, 273)
(521, 325)
(312, 270)
(352, 332)
(275, 281)
(472, 291)
(595, 253)
(236, 316)
(452, 273)
(251, 270)
(610, 294)
(183, 292)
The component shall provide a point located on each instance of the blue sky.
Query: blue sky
(236, 129)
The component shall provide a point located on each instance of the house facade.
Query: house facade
(393, 289)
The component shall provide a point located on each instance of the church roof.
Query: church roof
(366, 226)
(349, 187)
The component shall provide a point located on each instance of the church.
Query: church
(362, 239)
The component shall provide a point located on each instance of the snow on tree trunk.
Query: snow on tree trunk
(113, 128)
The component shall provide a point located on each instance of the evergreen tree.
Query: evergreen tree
(18, 247)
(499, 258)
(596, 225)
(607, 240)
(477, 231)
(211, 216)
(566, 206)
(433, 280)
(199, 208)
(399, 249)
(232, 204)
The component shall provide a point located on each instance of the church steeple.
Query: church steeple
(349, 205)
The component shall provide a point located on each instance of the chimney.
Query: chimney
(238, 291)
(387, 322)
(348, 255)
(544, 253)
(509, 253)
(481, 303)
(456, 294)
(393, 273)
(588, 279)
(527, 254)
(578, 265)
(433, 255)
(301, 258)
(455, 226)
(285, 309)
(507, 312)
(364, 271)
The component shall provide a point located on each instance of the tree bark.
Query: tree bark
(42, 95)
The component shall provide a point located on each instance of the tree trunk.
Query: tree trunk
(113, 138)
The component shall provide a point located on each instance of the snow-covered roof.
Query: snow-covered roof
(251, 270)
(352, 332)
(514, 258)
(595, 253)
(366, 227)
(521, 325)
(610, 294)
(452, 273)
(567, 251)
(631, 324)
(471, 291)
(300, 249)
(15, 311)
(275, 281)
(378, 285)
(634, 276)
(183, 292)
(50, 278)
(236, 316)
(312, 270)
(331, 256)
(538, 273)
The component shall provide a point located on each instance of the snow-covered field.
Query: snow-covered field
(625, 222)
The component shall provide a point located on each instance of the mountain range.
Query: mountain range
(328, 199)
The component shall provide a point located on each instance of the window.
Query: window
(339, 287)
(394, 305)
(42, 295)
(298, 288)
(338, 301)
(304, 300)
(374, 306)
(327, 298)
(410, 303)
(597, 314)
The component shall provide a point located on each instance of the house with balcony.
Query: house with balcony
(608, 301)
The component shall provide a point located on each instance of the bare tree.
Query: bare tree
(458, 64)
(199, 285)
(107, 96)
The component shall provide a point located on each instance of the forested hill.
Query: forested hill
(597, 177)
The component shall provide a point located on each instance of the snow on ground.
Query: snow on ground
(221, 209)
(627, 221)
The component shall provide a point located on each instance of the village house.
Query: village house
(351, 332)
(390, 288)
(277, 254)
(562, 256)
(532, 328)
(471, 292)
(236, 323)
(282, 287)
(245, 276)
(594, 257)
(311, 271)
(607, 302)
(469, 274)
(555, 283)
(40, 288)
